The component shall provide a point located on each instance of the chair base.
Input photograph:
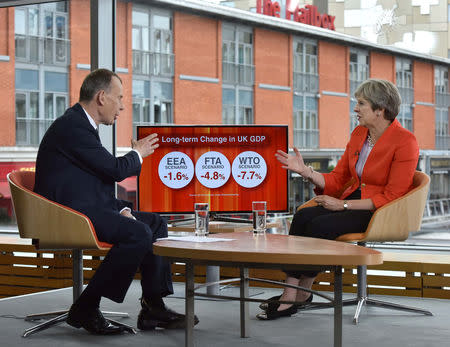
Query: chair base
(49, 315)
(62, 318)
(360, 302)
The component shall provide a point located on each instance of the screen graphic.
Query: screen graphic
(225, 166)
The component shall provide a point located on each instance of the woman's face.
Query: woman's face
(366, 116)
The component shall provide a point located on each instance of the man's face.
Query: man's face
(112, 105)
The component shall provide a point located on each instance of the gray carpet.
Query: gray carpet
(219, 324)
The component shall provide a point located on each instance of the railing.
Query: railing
(304, 82)
(306, 138)
(153, 63)
(29, 131)
(443, 99)
(407, 95)
(437, 210)
(443, 142)
(42, 50)
(353, 86)
(238, 74)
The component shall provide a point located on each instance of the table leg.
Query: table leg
(338, 306)
(244, 304)
(189, 331)
(212, 275)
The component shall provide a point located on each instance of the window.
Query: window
(36, 109)
(237, 55)
(306, 87)
(237, 106)
(404, 80)
(153, 70)
(306, 78)
(306, 122)
(237, 75)
(441, 129)
(358, 73)
(41, 33)
(144, 111)
(442, 98)
(441, 85)
(152, 43)
(42, 58)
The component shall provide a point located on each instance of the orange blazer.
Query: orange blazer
(388, 172)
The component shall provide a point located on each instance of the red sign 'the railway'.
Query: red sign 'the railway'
(307, 15)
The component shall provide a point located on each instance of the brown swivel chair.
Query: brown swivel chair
(52, 226)
(391, 222)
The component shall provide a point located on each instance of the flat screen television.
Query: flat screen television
(227, 166)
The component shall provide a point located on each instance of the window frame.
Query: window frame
(41, 39)
(405, 84)
(306, 89)
(238, 74)
(362, 73)
(155, 58)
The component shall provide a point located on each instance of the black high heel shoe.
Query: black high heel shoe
(272, 312)
(265, 305)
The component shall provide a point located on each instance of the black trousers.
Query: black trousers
(321, 223)
(132, 250)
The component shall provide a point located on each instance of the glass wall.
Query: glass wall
(42, 59)
(153, 66)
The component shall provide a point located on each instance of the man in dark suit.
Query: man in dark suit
(74, 169)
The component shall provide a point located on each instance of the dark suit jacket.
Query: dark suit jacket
(74, 169)
(389, 169)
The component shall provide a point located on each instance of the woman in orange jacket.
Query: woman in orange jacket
(377, 166)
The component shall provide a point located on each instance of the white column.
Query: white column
(103, 53)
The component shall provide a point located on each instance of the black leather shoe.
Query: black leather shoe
(92, 320)
(272, 312)
(265, 305)
(160, 317)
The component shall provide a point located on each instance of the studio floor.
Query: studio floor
(219, 323)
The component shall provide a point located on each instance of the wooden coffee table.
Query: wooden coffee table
(268, 251)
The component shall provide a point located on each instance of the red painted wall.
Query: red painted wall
(272, 57)
(7, 80)
(382, 66)
(334, 122)
(198, 51)
(424, 116)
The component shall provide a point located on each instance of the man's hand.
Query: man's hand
(128, 214)
(146, 146)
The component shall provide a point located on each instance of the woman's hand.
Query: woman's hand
(292, 162)
(329, 202)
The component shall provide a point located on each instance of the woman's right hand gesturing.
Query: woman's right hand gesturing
(292, 162)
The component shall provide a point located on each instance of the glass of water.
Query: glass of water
(201, 210)
(259, 217)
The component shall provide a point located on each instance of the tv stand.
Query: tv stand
(221, 218)
(213, 217)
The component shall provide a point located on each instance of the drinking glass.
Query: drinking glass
(259, 217)
(201, 210)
